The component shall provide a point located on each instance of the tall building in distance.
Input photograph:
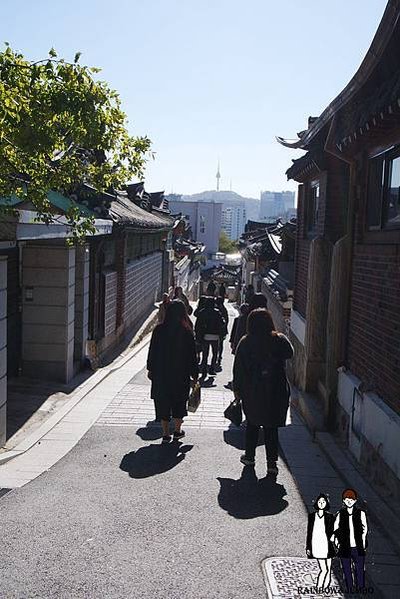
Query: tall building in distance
(204, 219)
(233, 220)
(276, 204)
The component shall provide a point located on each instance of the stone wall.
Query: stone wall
(48, 311)
(142, 286)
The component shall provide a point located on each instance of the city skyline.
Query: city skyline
(194, 90)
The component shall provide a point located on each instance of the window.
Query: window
(313, 206)
(383, 203)
(202, 224)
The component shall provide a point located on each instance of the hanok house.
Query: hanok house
(346, 319)
(189, 255)
(61, 303)
(43, 299)
(129, 270)
(268, 260)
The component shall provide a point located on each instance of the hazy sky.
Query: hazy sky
(208, 79)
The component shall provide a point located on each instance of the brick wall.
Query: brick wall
(143, 281)
(110, 302)
(374, 325)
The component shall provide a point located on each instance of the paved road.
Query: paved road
(123, 516)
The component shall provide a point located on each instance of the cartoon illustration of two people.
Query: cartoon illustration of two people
(344, 535)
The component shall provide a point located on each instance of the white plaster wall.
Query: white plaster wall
(298, 326)
(380, 425)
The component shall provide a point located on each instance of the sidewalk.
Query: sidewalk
(120, 406)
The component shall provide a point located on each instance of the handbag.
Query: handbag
(234, 412)
(194, 398)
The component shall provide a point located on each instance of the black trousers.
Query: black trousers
(270, 440)
(206, 349)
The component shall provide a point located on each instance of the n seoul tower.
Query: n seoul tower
(218, 175)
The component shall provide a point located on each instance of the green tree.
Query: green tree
(60, 128)
(226, 245)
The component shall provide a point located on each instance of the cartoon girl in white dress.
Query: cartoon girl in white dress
(318, 544)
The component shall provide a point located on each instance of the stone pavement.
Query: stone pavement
(123, 516)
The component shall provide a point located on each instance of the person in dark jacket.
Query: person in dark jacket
(172, 365)
(350, 537)
(259, 381)
(318, 544)
(222, 291)
(239, 327)
(211, 288)
(258, 300)
(248, 294)
(209, 327)
(219, 304)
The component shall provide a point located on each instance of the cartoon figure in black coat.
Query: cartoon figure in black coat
(319, 545)
(350, 537)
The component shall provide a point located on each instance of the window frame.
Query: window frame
(386, 159)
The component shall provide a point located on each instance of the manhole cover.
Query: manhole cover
(289, 577)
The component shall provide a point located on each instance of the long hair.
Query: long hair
(261, 328)
(176, 316)
(258, 300)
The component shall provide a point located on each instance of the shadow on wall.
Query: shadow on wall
(250, 497)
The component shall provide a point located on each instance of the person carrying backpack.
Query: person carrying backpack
(208, 328)
(259, 381)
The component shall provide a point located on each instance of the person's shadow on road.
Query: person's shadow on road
(150, 432)
(153, 459)
(249, 497)
(235, 436)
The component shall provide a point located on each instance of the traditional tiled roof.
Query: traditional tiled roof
(125, 212)
(278, 285)
(371, 95)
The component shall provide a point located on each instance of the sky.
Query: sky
(208, 80)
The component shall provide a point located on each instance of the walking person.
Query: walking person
(239, 327)
(211, 288)
(219, 304)
(172, 367)
(258, 300)
(248, 293)
(208, 328)
(259, 381)
(222, 291)
(163, 307)
(350, 537)
(318, 544)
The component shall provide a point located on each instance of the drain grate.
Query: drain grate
(288, 577)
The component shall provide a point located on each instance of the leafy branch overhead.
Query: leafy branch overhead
(59, 129)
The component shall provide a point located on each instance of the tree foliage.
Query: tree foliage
(60, 128)
(226, 245)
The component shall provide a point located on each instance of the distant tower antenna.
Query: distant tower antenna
(218, 175)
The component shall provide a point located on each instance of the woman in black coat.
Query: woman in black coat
(319, 545)
(172, 363)
(259, 381)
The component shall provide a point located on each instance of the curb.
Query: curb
(142, 339)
